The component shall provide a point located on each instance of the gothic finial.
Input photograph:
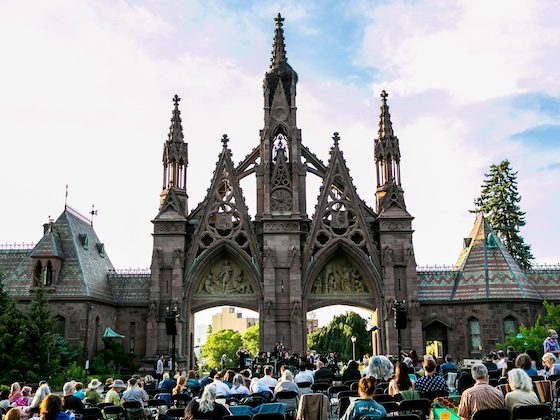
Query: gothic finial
(278, 46)
(385, 126)
(176, 129)
(336, 138)
(225, 140)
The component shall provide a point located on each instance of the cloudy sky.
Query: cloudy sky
(86, 90)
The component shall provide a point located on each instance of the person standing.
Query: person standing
(159, 368)
(550, 343)
(243, 355)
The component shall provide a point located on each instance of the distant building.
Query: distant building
(230, 319)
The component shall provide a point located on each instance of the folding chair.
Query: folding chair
(92, 413)
(492, 414)
(420, 406)
(180, 400)
(175, 413)
(320, 387)
(390, 407)
(332, 394)
(543, 389)
(114, 412)
(133, 410)
(380, 398)
(540, 411)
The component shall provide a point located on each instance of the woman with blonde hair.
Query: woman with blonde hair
(15, 392)
(521, 390)
(207, 408)
(13, 414)
(51, 409)
(238, 387)
(181, 385)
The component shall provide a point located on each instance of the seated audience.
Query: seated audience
(549, 361)
(15, 392)
(207, 408)
(286, 383)
(322, 372)
(192, 380)
(448, 365)
(79, 390)
(134, 392)
(13, 414)
(305, 373)
(112, 395)
(4, 401)
(366, 404)
(430, 381)
(222, 390)
(39, 396)
(267, 379)
(481, 396)
(351, 373)
(167, 382)
(181, 385)
(238, 385)
(69, 401)
(93, 392)
(401, 382)
(228, 377)
(51, 409)
(521, 390)
(523, 361)
(208, 379)
(380, 367)
(25, 398)
(149, 385)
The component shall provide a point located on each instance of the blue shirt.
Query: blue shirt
(360, 407)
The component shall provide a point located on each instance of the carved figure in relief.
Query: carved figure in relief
(387, 255)
(226, 275)
(339, 277)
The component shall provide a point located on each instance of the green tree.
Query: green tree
(113, 358)
(336, 336)
(224, 341)
(251, 339)
(532, 337)
(499, 201)
(39, 342)
(11, 329)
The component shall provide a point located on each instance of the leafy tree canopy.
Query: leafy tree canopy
(499, 201)
(251, 339)
(532, 337)
(224, 341)
(336, 337)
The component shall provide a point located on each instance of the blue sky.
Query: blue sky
(87, 88)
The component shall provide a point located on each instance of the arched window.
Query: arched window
(37, 274)
(48, 276)
(474, 334)
(510, 326)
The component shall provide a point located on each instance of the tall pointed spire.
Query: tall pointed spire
(278, 47)
(385, 126)
(175, 157)
(176, 129)
(387, 153)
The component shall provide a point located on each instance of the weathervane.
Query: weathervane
(93, 212)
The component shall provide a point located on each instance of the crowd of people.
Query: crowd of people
(213, 395)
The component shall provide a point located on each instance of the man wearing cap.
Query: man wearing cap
(93, 394)
(113, 396)
(70, 401)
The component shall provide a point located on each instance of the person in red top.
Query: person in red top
(481, 396)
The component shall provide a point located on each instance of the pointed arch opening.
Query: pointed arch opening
(231, 327)
(38, 274)
(351, 332)
(436, 341)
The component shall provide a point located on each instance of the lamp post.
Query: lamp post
(353, 338)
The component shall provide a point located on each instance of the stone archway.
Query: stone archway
(341, 276)
(223, 277)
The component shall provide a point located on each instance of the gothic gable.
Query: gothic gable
(223, 213)
(338, 214)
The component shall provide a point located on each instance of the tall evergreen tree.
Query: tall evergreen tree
(499, 202)
(11, 328)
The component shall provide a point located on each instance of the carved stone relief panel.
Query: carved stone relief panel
(225, 277)
(339, 277)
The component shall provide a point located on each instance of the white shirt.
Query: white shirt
(269, 381)
(159, 367)
(304, 376)
(221, 388)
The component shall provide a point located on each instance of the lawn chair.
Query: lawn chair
(528, 412)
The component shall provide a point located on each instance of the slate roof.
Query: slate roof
(130, 286)
(83, 271)
(11, 258)
(484, 270)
